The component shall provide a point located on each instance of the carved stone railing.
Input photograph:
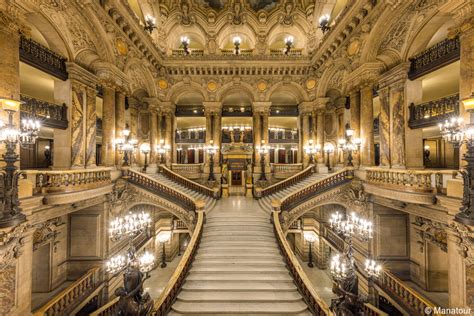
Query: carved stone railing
(179, 224)
(169, 294)
(406, 296)
(283, 171)
(371, 310)
(180, 53)
(109, 309)
(72, 295)
(305, 287)
(294, 52)
(52, 181)
(43, 58)
(293, 200)
(231, 52)
(433, 112)
(434, 58)
(259, 193)
(406, 180)
(154, 186)
(190, 171)
(51, 115)
(213, 193)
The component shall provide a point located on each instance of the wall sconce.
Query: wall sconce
(150, 23)
(469, 102)
(185, 43)
(324, 23)
(237, 41)
(289, 44)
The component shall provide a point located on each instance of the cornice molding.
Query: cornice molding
(81, 75)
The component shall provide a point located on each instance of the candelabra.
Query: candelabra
(343, 266)
(328, 149)
(163, 237)
(263, 150)
(310, 237)
(289, 44)
(324, 23)
(311, 149)
(145, 149)
(11, 136)
(162, 149)
(211, 151)
(237, 41)
(126, 145)
(185, 43)
(349, 144)
(150, 23)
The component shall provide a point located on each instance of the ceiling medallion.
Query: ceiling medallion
(353, 48)
(163, 84)
(122, 47)
(262, 86)
(310, 84)
(212, 86)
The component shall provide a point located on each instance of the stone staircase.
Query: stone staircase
(238, 268)
(210, 202)
(266, 202)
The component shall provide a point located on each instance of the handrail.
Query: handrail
(371, 310)
(311, 297)
(168, 296)
(70, 295)
(176, 177)
(293, 200)
(69, 180)
(108, 309)
(285, 183)
(158, 188)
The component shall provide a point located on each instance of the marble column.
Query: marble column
(257, 139)
(217, 140)
(62, 138)
(169, 136)
(305, 137)
(340, 135)
(397, 133)
(91, 128)
(77, 126)
(367, 149)
(209, 137)
(119, 121)
(154, 141)
(135, 156)
(108, 127)
(266, 138)
(321, 166)
(354, 96)
(384, 127)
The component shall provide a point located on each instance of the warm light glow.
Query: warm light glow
(310, 236)
(469, 103)
(164, 236)
(185, 40)
(324, 19)
(328, 148)
(145, 148)
(237, 40)
(150, 19)
(10, 104)
(146, 262)
(126, 132)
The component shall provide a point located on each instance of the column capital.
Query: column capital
(462, 236)
(13, 18)
(81, 75)
(306, 107)
(462, 13)
(167, 107)
(261, 107)
(153, 103)
(320, 103)
(212, 107)
(366, 74)
(109, 75)
(395, 76)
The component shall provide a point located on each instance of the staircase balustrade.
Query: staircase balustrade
(160, 189)
(109, 309)
(300, 176)
(72, 295)
(169, 294)
(189, 171)
(69, 180)
(190, 184)
(303, 195)
(316, 305)
(285, 170)
(371, 310)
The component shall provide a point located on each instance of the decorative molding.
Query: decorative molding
(433, 112)
(431, 231)
(51, 115)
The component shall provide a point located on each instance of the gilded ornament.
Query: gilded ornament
(212, 86)
(162, 84)
(353, 48)
(310, 84)
(122, 47)
(262, 86)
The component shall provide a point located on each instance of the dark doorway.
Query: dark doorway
(236, 178)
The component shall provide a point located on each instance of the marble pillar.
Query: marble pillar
(257, 139)
(384, 127)
(209, 137)
(108, 127)
(119, 121)
(169, 136)
(367, 157)
(91, 128)
(354, 96)
(305, 117)
(62, 138)
(135, 156)
(397, 134)
(217, 139)
(77, 126)
(266, 138)
(321, 166)
(154, 141)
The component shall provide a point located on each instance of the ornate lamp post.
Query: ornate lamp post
(263, 150)
(11, 136)
(163, 237)
(343, 266)
(324, 23)
(237, 41)
(349, 144)
(162, 149)
(310, 237)
(150, 23)
(289, 40)
(126, 145)
(145, 149)
(211, 151)
(328, 149)
(311, 149)
(185, 43)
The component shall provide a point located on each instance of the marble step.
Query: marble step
(175, 313)
(235, 228)
(282, 308)
(213, 238)
(248, 296)
(217, 285)
(241, 232)
(236, 261)
(249, 276)
(238, 269)
(216, 250)
(235, 255)
(239, 243)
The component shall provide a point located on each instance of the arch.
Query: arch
(196, 35)
(313, 207)
(333, 78)
(140, 77)
(245, 31)
(177, 90)
(160, 208)
(239, 86)
(297, 91)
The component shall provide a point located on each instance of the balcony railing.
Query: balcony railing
(51, 115)
(294, 52)
(180, 52)
(433, 112)
(434, 58)
(300, 176)
(38, 56)
(62, 303)
(231, 52)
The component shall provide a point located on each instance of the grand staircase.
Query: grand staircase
(238, 268)
(266, 202)
(210, 202)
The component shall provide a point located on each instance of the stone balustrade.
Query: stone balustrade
(72, 295)
(190, 171)
(259, 193)
(283, 171)
(52, 181)
(214, 193)
(109, 309)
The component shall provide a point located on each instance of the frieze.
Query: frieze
(10, 245)
(431, 231)
(46, 231)
(464, 239)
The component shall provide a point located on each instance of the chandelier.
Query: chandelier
(354, 225)
(454, 131)
(129, 226)
(126, 145)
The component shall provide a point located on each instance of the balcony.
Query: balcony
(190, 136)
(433, 112)
(51, 115)
(434, 58)
(283, 136)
